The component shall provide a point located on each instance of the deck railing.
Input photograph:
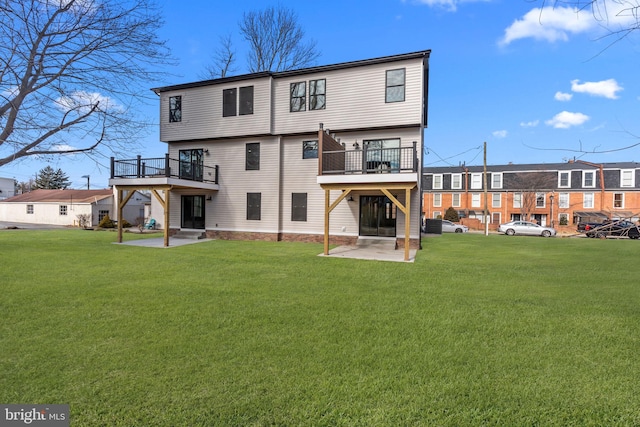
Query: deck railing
(163, 167)
(370, 160)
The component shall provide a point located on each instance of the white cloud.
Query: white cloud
(530, 124)
(550, 24)
(63, 147)
(561, 96)
(604, 88)
(566, 119)
(449, 5)
(500, 133)
(83, 101)
(557, 23)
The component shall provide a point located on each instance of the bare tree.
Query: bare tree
(531, 186)
(72, 73)
(223, 58)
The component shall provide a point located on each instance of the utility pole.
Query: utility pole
(486, 194)
(87, 176)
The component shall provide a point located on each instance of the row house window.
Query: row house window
(456, 181)
(496, 180)
(627, 178)
(496, 200)
(618, 200)
(437, 200)
(588, 179)
(437, 181)
(587, 201)
(476, 181)
(455, 200)
(564, 179)
(563, 200)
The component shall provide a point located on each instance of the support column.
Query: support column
(326, 221)
(407, 224)
(166, 217)
(119, 213)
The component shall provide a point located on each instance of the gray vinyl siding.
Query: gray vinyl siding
(355, 99)
(227, 209)
(202, 113)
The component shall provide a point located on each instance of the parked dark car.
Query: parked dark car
(615, 228)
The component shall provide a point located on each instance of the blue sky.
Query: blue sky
(539, 86)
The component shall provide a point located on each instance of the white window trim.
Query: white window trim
(453, 200)
(584, 175)
(613, 200)
(476, 184)
(584, 200)
(517, 200)
(633, 178)
(493, 176)
(437, 200)
(453, 180)
(439, 186)
(560, 200)
(499, 200)
(568, 179)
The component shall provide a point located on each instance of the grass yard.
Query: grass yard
(496, 330)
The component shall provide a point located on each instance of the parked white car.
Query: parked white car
(526, 228)
(452, 227)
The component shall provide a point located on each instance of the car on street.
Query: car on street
(526, 228)
(452, 227)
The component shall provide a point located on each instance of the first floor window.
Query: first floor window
(253, 206)
(298, 206)
(29, 209)
(455, 200)
(563, 201)
(252, 162)
(496, 200)
(540, 200)
(102, 214)
(587, 202)
(437, 214)
(564, 219)
(618, 200)
(437, 200)
(63, 209)
(475, 200)
(517, 200)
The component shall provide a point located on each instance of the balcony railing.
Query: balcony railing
(163, 167)
(370, 160)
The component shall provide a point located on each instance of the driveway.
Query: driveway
(7, 225)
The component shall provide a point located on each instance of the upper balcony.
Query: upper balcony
(163, 171)
(370, 163)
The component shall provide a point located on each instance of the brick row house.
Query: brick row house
(557, 194)
(324, 153)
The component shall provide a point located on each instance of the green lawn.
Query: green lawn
(496, 330)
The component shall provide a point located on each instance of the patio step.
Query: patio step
(388, 243)
(189, 234)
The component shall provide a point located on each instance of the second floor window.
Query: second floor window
(437, 200)
(310, 149)
(395, 85)
(456, 181)
(476, 181)
(317, 93)
(229, 102)
(298, 96)
(627, 178)
(252, 156)
(175, 109)
(588, 179)
(496, 200)
(496, 180)
(246, 100)
(455, 200)
(540, 200)
(437, 181)
(475, 200)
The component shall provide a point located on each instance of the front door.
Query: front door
(377, 216)
(192, 212)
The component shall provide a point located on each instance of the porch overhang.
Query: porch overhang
(161, 181)
(386, 188)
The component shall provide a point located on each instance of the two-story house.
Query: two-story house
(550, 194)
(329, 152)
